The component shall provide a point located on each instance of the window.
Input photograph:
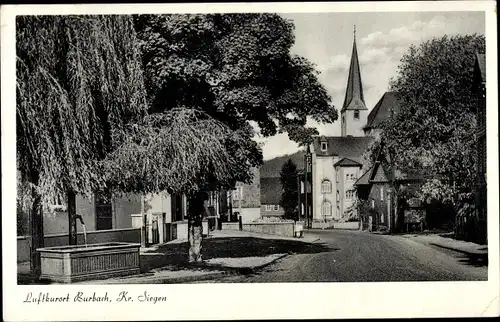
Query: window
(326, 186)
(349, 194)
(338, 195)
(356, 115)
(382, 193)
(302, 187)
(59, 204)
(347, 176)
(276, 207)
(103, 210)
(269, 207)
(381, 218)
(373, 204)
(326, 209)
(238, 193)
(324, 146)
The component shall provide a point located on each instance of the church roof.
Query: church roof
(382, 110)
(381, 173)
(364, 179)
(346, 162)
(270, 191)
(354, 98)
(351, 147)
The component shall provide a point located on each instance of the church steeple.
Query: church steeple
(354, 98)
(354, 111)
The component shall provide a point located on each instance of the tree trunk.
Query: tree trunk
(144, 226)
(195, 235)
(72, 234)
(195, 227)
(36, 233)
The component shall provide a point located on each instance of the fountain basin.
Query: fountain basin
(75, 263)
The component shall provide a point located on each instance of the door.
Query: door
(176, 205)
(103, 211)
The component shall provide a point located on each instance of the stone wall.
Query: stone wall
(131, 235)
(285, 229)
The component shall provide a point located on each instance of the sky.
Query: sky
(326, 40)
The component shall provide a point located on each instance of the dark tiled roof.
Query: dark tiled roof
(351, 147)
(481, 62)
(354, 98)
(380, 173)
(270, 191)
(346, 162)
(382, 110)
(272, 168)
(364, 179)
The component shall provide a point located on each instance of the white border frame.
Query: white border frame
(262, 301)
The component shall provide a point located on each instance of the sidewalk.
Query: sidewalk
(461, 246)
(224, 253)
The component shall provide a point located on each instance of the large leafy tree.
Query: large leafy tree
(433, 132)
(238, 69)
(79, 80)
(288, 178)
(83, 123)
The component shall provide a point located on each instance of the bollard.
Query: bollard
(240, 221)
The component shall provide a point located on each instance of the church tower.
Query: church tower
(354, 112)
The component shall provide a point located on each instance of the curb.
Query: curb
(472, 254)
(225, 271)
(255, 268)
(176, 280)
(248, 270)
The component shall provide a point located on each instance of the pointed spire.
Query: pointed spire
(354, 98)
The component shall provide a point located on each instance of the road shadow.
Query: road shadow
(175, 256)
(476, 260)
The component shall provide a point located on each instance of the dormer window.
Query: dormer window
(324, 146)
(356, 115)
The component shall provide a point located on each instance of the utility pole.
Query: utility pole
(298, 197)
(306, 186)
(240, 197)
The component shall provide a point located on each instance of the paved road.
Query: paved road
(362, 257)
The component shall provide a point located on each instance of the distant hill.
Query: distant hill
(271, 168)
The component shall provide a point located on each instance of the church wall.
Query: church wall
(374, 133)
(352, 126)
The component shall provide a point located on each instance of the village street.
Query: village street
(361, 257)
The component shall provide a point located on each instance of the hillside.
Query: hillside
(271, 168)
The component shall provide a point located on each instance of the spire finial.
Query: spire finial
(354, 32)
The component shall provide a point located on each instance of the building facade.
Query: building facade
(271, 191)
(336, 161)
(246, 199)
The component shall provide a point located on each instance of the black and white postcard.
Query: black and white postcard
(242, 161)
